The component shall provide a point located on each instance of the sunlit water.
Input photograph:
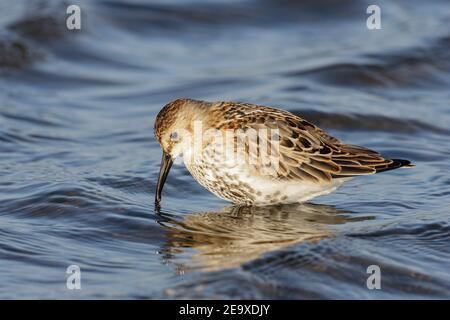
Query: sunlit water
(78, 161)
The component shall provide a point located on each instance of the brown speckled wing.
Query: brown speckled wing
(306, 152)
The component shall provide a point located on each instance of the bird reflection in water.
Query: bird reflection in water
(238, 234)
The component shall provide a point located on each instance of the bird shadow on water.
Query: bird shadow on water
(234, 235)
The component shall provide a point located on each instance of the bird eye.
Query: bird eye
(174, 135)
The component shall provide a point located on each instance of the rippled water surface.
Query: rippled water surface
(78, 161)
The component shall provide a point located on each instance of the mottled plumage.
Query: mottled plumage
(308, 161)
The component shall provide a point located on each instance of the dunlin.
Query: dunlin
(253, 154)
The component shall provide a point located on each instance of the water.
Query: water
(78, 161)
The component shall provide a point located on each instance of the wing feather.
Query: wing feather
(305, 152)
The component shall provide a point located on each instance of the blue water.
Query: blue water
(79, 163)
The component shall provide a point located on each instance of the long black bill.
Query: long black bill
(166, 164)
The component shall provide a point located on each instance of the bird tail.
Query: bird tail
(395, 164)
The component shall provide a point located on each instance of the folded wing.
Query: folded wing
(305, 152)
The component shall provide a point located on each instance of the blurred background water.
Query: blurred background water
(78, 160)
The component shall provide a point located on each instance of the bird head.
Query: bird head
(173, 130)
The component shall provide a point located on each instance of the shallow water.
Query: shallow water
(78, 161)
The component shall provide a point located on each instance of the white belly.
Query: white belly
(235, 183)
(271, 192)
